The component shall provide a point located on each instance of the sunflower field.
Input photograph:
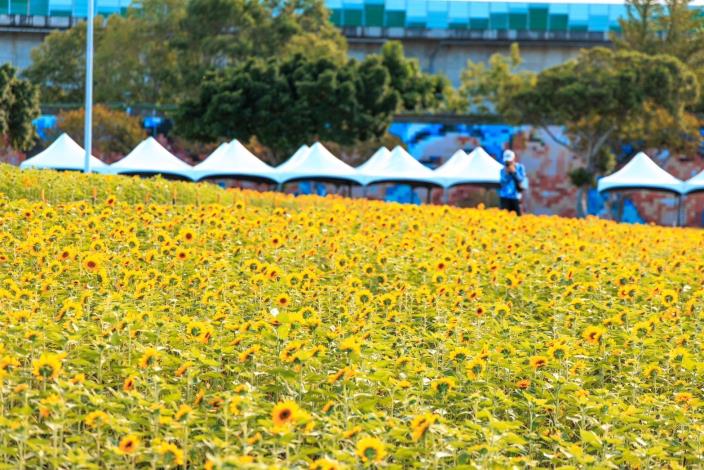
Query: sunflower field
(235, 329)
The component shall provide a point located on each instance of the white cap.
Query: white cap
(509, 156)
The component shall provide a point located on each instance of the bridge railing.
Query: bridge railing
(372, 33)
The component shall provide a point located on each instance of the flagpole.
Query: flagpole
(88, 130)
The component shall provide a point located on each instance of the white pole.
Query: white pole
(88, 130)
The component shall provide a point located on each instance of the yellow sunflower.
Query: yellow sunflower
(325, 464)
(171, 453)
(128, 444)
(149, 357)
(48, 366)
(284, 414)
(593, 334)
(370, 449)
(92, 263)
(421, 424)
(96, 419)
(537, 362)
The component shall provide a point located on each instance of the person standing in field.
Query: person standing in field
(513, 180)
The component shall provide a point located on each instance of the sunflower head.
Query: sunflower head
(443, 385)
(128, 444)
(593, 334)
(96, 419)
(285, 414)
(149, 357)
(537, 362)
(421, 424)
(370, 449)
(47, 367)
(91, 263)
(325, 464)
(171, 453)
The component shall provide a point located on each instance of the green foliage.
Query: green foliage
(58, 64)
(160, 52)
(602, 98)
(581, 177)
(490, 89)
(63, 186)
(671, 27)
(19, 105)
(114, 132)
(283, 102)
(418, 91)
(131, 63)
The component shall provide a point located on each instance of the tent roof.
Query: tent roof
(63, 154)
(149, 157)
(378, 159)
(395, 166)
(695, 183)
(477, 167)
(641, 173)
(316, 163)
(232, 159)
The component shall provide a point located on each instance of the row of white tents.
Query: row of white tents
(316, 162)
(233, 160)
(641, 172)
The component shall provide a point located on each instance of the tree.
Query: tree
(132, 63)
(602, 98)
(490, 89)
(671, 27)
(58, 64)
(418, 91)
(19, 106)
(285, 102)
(219, 33)
(115, 133)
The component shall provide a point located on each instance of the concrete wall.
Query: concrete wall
(15, 47)
(450, 58)
(435, 55)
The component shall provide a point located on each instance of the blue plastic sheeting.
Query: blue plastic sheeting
(44, 123)
(630, 213)
(401, 193)
(311, 187)
(597, 206)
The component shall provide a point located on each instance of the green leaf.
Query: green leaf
(590, 438)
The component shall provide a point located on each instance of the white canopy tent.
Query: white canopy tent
(379, 159)
(477, 168)
(63, 154)
(641, 173)
(695, 184)
(233, 160)
(316, 163)
(397, 166)
(150, 158)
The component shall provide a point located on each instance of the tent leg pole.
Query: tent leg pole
(621, 204)
(429, 194)
(679, 211)
(364, 192)
(349, 191)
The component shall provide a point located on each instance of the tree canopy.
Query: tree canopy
(19, 105)
(417, 90)
(158, 53)
(602, 98)
(669, 27)
(115, 133)
(284, 102)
